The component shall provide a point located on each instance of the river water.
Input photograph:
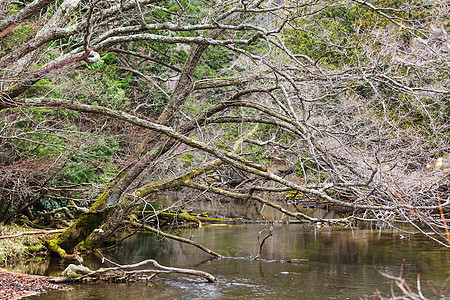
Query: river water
(340, 264)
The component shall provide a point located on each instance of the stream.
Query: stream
(340, 264)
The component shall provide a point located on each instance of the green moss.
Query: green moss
(193, 217)
(35, 248)
(81, 228)
(35, 259)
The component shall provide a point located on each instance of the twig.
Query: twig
(261, 244)
(443, 218)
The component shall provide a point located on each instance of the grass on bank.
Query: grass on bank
(16, 248)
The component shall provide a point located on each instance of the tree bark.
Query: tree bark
(111, 207)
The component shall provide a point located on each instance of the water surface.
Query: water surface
(341, 264)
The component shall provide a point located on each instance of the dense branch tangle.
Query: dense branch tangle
(108, 27)
(330, 113)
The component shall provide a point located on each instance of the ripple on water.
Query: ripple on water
(224, 288)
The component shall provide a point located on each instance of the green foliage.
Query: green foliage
(303, 164)
(178, 56)
(14, 8)
(337, 33)
(307, 166)
(187, 159)
(258, 153)
(43, 86)
(45, 155)
(110, 87)
(196, 108)
(38, 143)
(20, 34)
(214, 59)
(315, 36)
(94, 165)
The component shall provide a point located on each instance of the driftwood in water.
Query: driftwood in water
(80, 273)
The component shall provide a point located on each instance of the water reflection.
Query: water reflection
(248, 211)
(340, 264)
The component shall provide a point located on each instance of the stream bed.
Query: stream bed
(340, 264)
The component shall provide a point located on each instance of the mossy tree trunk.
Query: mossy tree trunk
(108, 211)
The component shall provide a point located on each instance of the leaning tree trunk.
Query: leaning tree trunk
(106, 213)
(112, 195)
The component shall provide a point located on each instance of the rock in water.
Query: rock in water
(76, 271)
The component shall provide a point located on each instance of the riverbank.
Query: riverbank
(20, 242)
(16, 286)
